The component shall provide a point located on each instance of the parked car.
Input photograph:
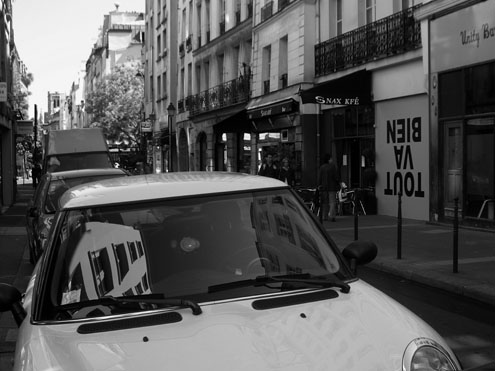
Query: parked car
(45, 201)
(73, 149)
(219, 271)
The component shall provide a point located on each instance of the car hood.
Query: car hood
(362, 330)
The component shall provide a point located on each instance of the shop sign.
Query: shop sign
(271, 110)
(464, 37)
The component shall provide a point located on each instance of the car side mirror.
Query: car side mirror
(360, 253)
(10, 299)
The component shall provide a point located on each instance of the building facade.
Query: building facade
(360, 80)
(119, 42)
(461, 86)
(8, 129)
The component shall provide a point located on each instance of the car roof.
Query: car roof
(81, 173)
(165, 185)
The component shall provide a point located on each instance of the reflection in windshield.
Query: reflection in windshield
(179, 248)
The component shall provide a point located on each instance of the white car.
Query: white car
(207, 271)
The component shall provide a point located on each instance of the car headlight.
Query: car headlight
(424, 354)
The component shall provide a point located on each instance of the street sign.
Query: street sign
(146, 127)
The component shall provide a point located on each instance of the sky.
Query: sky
(54, 39)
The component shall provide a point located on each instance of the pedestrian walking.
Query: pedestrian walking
(36, 174)
(268, 168)
(328, 185)
(286, 173)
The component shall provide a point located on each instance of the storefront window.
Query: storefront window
(480, 165)
(480, 89)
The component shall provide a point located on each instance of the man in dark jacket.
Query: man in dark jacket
(328, 184)
(268, 168)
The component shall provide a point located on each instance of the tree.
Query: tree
(20, 94)
(115, 105)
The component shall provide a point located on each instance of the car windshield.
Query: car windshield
(186, 248)
(59, 186)
(75, 161)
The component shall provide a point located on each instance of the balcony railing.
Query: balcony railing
(267, 11)
(232, 92)
(392, 35)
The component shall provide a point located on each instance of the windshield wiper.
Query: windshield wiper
(303, 278)
(122, 302)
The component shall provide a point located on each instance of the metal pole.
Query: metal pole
(356, 216)
(456, 235)
(169, 143)
(399, 228)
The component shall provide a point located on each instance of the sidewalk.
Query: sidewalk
(15, 268)
(427, 251)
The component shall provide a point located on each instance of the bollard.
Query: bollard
(456, 236)
(399, 228)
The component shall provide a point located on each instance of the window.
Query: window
(159, 86)
(164, 85)
(370, 11)
(266, 66)
(339, 17)
(283, 61)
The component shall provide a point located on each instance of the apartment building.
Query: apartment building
(8, 128)
(119, 42)
(349, 78)
(214, 72)
(161, 81)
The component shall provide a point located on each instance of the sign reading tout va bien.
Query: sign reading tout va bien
(402, 157)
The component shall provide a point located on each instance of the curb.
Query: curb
(482, 293)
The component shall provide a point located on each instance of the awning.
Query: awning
(351, 90)
(236, 123)
(279, 102)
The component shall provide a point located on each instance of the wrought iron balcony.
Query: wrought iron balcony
(230, 93)
(389, 36)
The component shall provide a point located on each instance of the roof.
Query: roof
(166, 185)
(81, 173)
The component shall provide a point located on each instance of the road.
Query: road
(468, 326)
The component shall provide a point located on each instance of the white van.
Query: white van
(75, 149)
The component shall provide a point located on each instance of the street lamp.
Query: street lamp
(171, 113)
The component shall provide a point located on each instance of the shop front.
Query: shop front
(462, 111)
(275, 122)
(346, 130)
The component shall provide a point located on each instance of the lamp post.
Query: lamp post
(171, 113)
